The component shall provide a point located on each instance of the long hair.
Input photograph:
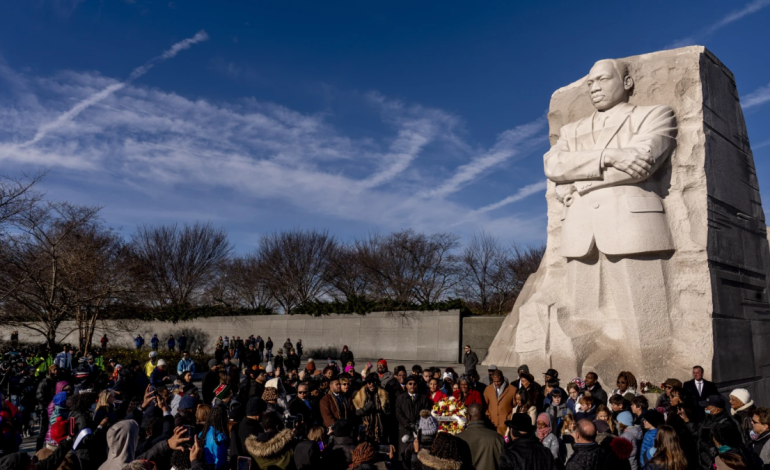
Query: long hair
(104, 397)
(525, 401)
(217, 419)
(669, 453)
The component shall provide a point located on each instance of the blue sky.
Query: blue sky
(346, 116)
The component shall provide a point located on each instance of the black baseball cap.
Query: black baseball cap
(714, 400)
(552, 372)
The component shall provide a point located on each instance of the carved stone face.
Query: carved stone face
(606, 86)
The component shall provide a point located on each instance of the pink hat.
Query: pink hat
(348, 368)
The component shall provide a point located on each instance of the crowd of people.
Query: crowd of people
(254, 410)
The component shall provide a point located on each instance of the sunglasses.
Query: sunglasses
(301, 393)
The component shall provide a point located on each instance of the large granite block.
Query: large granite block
(710, 306)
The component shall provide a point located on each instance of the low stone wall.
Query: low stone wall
(413, 336)
(478, 332)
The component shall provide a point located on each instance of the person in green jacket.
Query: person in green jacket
(486, 445)
(41, 362)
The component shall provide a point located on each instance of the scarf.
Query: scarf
(747, 405)
(542, 432)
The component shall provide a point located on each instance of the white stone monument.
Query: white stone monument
(657, 256)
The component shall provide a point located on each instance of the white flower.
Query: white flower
(461, 413)
(452, 407)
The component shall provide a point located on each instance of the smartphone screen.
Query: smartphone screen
(244, 463)
(191, 432)
(321, 445)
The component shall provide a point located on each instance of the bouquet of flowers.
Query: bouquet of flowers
(577, 380)
(450, 415)
(648, 387)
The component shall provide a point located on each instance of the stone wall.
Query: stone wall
(413, 336)
(478, 332)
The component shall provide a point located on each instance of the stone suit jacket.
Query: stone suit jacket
(608, 208)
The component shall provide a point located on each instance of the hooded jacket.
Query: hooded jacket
(633, 434)
(648, 444)
(216, 445)
(272, 450)
(122, 440)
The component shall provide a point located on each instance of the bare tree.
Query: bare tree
(346, 274)
(97, 262)
(176, 266)
(37, 266)
(482, 260)
(410, 267)
(295, 265)
(525, 260)
(241, 284)
(17, 195)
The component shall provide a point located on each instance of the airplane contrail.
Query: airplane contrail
(200, 36)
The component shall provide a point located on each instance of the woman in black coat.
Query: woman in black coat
(346, 356)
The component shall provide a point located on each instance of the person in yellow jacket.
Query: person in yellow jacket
(151, 364)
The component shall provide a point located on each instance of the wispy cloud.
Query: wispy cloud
(148, 154)
(731, 17)
(522, 193)
(759, 96)
(511, 143)
(101, 95)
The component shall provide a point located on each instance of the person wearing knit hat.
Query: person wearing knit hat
(383, 372)
(742, 409)
(525, 450)
(444, 453)
(652, 420)
(269, 368)
(428, 427)
(270, 395)
(546, 435)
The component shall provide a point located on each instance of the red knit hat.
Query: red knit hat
(383, 362)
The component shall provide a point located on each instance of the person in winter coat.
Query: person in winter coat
(728, 440)
(548, 438)
(714, 407)
(500, 398)
(299, 348)
(761, 433)
(339, 453)
(269, 348)
(372, 405)
(652, 420)
(307, 452)
(470, 359)
(611, 454)
(335, 405)
(46, 389)
(446, 453)
(524, 406)
(557, 411)
(292, 360)
(273, 448)
(668, 453)
(593, 386)
(586, 408)
(215, 438)
(183, 342)
(346, 356)
(171, 342)
(466, 395)
(408, 407)
(742, 409)
(524, 451)
(633, 434)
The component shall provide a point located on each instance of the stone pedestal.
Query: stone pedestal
(716, 278)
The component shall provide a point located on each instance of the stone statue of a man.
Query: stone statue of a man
(615, 235)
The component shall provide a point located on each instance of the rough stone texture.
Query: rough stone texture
(413, 336)
(478, 332)
(717, 277)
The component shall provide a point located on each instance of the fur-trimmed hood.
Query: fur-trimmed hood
(359, 400)
(272, 447)
(432, 462)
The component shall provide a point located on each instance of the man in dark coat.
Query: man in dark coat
(408, 407)
(210, 381)
(594, 387)
(470, 359)
(699, 388)
(589, 455)
(44, 394)
(249, 426)
(703, 432)
(525, 451)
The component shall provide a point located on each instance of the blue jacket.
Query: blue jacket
(184, 366)
(648, 447)
(215, 448)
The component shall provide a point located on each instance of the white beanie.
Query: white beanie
(269, 368)
(161, 362)
(447, 375)
(741, 394)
